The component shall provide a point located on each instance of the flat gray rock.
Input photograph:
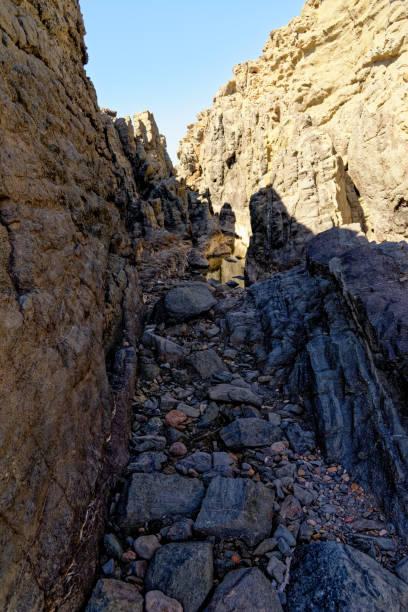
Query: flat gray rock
(245, 590)
(207, 363)
(234, 394)
(152, 496)
(115, 596)
(338, 578)
(184, 572)
(250, 433)
(166, 350)
(184, 303)
(236, 508)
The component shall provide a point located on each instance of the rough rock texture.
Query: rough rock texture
(115, 596)
(335, 577)
(70, 307)
(321, 118)
(337, 336)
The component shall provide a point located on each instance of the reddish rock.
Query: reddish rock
(156, 601)
(178, 449)
(175, 418)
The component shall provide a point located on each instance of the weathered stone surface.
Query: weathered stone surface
(183, 572)
(318, 120)
(234, 394)
(236, 508)
(331, 576)
(166, 350)
(153, 496)
(245, 589)
(337, 335)
(156, 601)
(70, 308)
(184, 303)
(252, 432)
(115, 596)
(207, 363)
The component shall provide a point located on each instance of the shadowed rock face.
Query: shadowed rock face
(337, 336)
(70, 308)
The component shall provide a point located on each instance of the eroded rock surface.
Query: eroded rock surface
(319, 121)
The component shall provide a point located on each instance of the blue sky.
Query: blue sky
(171, 57)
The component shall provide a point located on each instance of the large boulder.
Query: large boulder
(184, 572)
(339, 578)
(154, 496)
(236, 508)
(184, 303)
(243, 590)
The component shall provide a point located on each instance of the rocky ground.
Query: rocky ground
(227, 502)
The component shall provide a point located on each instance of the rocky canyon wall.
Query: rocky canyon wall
(74, 189)
(319, 120)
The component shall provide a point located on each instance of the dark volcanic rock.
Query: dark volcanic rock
(183, 572)
(236, 508)
(245, 590)
(153, 496)
(234, 394)
(207, 363)
(335, 577)
(184, 303)
(115, 596)
(166, 350)
(337, 336)
(250, 433)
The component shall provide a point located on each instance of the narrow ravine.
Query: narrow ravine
(226, 486)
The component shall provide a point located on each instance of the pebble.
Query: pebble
(178, 449)
(146, 546)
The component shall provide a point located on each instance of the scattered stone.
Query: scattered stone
(146, 546)
(153, 496)
(156, 601)
(206, 363)
(249, 433)
(184, 572)
(109, 567)
(199, 461)
(234, 394)
(346, 578)
(166, 351)
(178, 449)
(236, 508)
(189, 411)
(112, 546)
(283, 532)
(265, 547)
(245, 590)
(179, 531)
(151, 461)
(367, 525)
(115, 596)
(276, 569)
(301, 441)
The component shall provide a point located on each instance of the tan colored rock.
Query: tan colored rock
(321, 118)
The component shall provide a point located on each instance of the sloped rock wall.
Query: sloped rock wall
(70, 307)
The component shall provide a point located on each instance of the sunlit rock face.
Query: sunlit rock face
(321, 117)
(70, 308)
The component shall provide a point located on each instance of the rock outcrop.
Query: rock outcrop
(320, 117)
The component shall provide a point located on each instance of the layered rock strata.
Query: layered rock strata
(321, 117)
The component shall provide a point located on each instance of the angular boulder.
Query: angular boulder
(153, 496)
(243, 590)
(183, 572)
(207, 363)
(234, 394)
(252, 432)
(115, 596)
(236, 508)
(339, 578)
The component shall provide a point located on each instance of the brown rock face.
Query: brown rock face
(70, 307)
(321, 119)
